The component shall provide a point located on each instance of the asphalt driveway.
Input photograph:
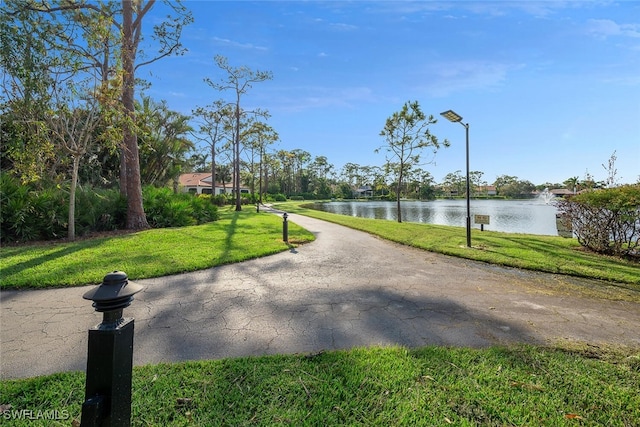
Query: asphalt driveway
(346, 289)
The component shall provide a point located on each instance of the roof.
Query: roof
(561, 192)
(195, 179)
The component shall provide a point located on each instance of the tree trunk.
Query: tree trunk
(71, 227)
(236, 166)
(123, 170)
(136, 218)
(252, 171)
(260, 179)
(213, 171)
(398, 193)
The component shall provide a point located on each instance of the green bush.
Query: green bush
(99, 210)
(606, 221)
(219, 200)
(27, 213)
(15, 211)
(308, 196)
(51, 210)
(203, 210)
(163, 208)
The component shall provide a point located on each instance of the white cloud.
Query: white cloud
(343, 27)
(312, 97)
(604, 28)
(447, 77)
(234, 43)
(538, 9)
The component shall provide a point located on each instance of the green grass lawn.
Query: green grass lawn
(391, 386)
(237, 236)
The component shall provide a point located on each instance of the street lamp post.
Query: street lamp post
(454, 117)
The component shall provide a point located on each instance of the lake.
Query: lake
(532, 216)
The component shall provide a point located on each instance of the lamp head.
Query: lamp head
(451, 116)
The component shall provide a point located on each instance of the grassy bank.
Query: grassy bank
(394, 386)
(550, 254)
(237, 236)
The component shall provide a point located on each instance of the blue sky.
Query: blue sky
(550, 89)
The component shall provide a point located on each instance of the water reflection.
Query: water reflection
(513, 216)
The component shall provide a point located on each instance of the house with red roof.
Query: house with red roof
(200, 183)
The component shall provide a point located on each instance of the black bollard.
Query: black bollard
(285, 228)
(110, 354)
(258, 207)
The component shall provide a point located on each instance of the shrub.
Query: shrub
(16, 211)
(606, 221)
(219, 200)
(28, 214)
(203, 210)
(163, 208)
(99, 210)
(51, 212)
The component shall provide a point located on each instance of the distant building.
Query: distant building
(364, 191)
(486, 190)
(561, 192)
(200, 183)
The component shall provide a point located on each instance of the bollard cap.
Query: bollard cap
(285, 215)
(115, 292)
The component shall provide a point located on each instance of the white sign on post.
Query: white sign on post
(481, 219)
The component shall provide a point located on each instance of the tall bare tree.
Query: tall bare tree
(72, 125)
(213, 128)
(239, 80)
(259, 135)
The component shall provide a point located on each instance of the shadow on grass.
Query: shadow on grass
(231, 231)
(50, 253)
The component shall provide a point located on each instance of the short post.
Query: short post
(285, 228)
(110, 354)
(257, 207)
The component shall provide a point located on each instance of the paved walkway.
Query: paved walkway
(345, 289)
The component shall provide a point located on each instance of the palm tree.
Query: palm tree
(163, 144)
(572, 183)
